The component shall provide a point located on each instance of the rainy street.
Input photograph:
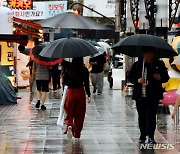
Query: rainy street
(110, 126)
(89, 76)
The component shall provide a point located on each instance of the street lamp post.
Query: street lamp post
(117, 20)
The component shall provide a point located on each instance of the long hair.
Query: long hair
(76, 69)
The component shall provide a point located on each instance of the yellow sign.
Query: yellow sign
(7, 50)
(7, 59)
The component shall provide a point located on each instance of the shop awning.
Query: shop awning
(28, 27)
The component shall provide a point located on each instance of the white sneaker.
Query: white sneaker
(69, 132)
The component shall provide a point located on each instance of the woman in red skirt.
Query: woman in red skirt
(77, 80)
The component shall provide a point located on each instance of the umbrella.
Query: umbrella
(133, 46)
(94, 43)
(105, 46)
(101, 51)
(68, 48)
(34, 54)
(70, 20)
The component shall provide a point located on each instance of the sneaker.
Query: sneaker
(99, 93)
(38, 104)
(43, 107)
(69, 132)
(76, 139)
(94, 91)
(55, 91)
(151, 141)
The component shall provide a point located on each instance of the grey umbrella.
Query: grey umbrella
(70, 20)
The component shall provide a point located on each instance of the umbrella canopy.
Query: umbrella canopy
(133, 46)
(101, 51)
(69, 48)
(70, 20)
(94, 43)
(34, 54)
(105, 46)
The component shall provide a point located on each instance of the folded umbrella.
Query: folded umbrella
(34, 54)
(60, 121)
(68, 48)
(133, 46)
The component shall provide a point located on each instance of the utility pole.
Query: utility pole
(117, 20)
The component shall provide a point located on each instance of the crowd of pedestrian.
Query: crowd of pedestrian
(147, 75)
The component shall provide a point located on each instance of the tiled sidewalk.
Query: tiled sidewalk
(110, 128)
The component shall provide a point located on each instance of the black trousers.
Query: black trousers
(56, 80)
(147, 110)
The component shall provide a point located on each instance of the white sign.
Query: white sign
(41, 10)
(105, 7)
(37, 13)
(6, 27)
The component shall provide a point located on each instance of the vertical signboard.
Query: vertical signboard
(7, 59)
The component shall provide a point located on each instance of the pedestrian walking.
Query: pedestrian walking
(77, 80)
(41, 75)
(31, 81)
(56, 73)
(147, 75)
(97, 73)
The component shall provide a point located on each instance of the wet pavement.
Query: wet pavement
(110, 128)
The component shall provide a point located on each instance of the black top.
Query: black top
(154, 88)
(76, 83)
(99, 67)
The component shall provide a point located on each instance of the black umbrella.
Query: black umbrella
(34, 54)
(69, 48)
(134, 45)
(70, 20)
(94, 43)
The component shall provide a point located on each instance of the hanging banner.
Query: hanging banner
(40, 10)
(7, 59)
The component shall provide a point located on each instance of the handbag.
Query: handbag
(60, 121)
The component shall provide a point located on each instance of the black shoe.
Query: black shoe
(142, 141)
(94, 91)
(151, 141)
(43, 107)
(38, 104)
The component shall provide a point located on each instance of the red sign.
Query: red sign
(20, 4)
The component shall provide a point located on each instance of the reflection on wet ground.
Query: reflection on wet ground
(110, 127)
